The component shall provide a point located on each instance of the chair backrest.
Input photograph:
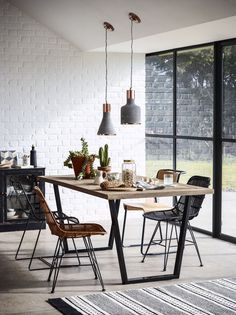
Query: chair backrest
(176, 174)
(196, 201)
(50, 219)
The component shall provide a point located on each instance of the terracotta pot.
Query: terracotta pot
(105, 170)
(78, 162)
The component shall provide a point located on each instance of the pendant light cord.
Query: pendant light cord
(131, 56)
(106, 66)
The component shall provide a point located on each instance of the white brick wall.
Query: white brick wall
(51, 94)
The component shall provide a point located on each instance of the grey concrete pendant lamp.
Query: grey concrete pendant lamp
(131, 113)
(106, 127)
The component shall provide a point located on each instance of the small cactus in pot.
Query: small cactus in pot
(104, 160)
(103, 156)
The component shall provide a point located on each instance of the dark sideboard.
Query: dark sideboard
(18, 202)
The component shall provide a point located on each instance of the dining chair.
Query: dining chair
(34, 214)
(30, 208)
(65, 229)
(149, 206)
(174, 216)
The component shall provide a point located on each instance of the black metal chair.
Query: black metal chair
(174, 216)
(31, 209)
(149, 206)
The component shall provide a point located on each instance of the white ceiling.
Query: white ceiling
(165, 23)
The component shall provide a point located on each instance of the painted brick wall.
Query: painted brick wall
(51, 94)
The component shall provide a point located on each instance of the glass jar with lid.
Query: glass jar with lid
(128, 172)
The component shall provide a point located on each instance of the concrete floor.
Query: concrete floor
(25, 292)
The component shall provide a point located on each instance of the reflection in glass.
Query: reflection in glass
(159, 154)
(195, 92)
(229, 92)
(195, 157)
(229, 189)
(159, 94)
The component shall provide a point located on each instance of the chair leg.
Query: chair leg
(35, 246)
(89, 256)
(166, 240)
(153, 235)
(53, 260)
(176, 234)
(96, 264)
(167, 247)
(76, 251)
(195, 243)
(94, 260)
(123, 227)
(57, 264)
(161, 236)
(142, 237)
(21, 240)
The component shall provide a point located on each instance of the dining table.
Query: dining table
(114, 196)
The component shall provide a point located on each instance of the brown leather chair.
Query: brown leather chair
(69, 228)
(149, 206)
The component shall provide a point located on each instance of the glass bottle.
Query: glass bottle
(33, 157)
(128, 172)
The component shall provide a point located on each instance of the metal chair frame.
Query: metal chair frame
(160, 176)
(69, 228)
(174, 217)
(31, 215)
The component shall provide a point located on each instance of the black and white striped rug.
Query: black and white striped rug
(195, 298)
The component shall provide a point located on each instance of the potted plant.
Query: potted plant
(104, 160)
(81, 161)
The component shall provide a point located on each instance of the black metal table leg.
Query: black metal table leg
(114, 209)
(182, 236)
(59, 209)
(112, 236)
(178, 260)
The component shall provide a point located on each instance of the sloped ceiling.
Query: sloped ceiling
(165, 23)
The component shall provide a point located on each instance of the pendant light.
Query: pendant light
(106, 126)
(131, 113)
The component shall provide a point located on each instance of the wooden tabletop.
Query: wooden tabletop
(87, 186)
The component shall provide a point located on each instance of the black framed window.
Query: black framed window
(191, 123)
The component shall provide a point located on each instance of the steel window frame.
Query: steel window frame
(217, 138)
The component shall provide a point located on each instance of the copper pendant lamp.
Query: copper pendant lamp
(106, 126)
(131, 113)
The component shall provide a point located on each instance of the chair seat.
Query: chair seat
(82, 229)
(147, 206)
(163, 215)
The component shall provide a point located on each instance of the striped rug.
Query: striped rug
(195, 298)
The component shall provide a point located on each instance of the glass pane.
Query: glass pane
(195, 92)
(229, 92)
(159, 94)
(159, 154)
(195, 157)
(229, 189)
(20, 195)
